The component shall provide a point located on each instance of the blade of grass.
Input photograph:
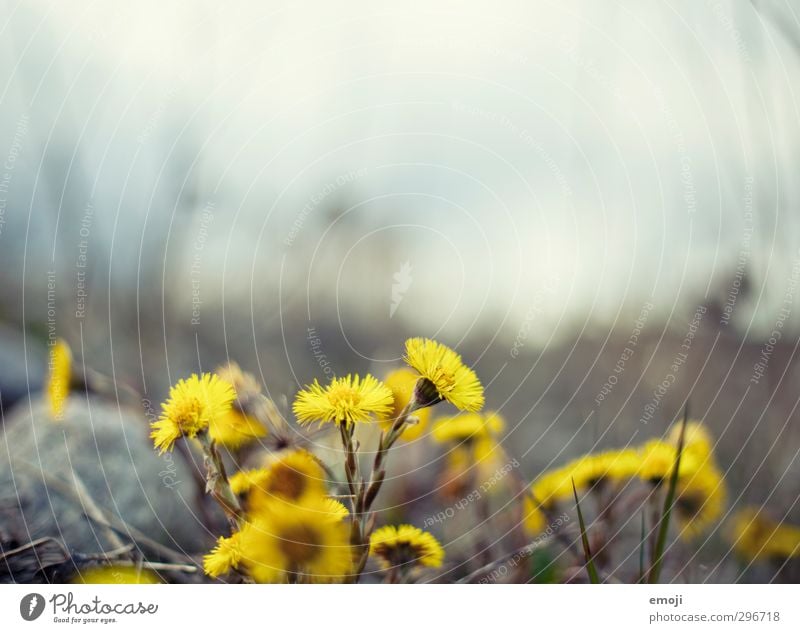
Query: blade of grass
(642, 542)
(587, 553)
(669, 501)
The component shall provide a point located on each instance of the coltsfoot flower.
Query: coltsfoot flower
(696, 440)
(444, 376)
(345, 401)
(700, 501)
(226, 555)
(755, 536)
(238, 426)
(292, 476)
(116, 575)
(193, 404)
(402, 382)
(308, 543)
(59, 378)
(405, 546)
(468, 426)
(657, 461)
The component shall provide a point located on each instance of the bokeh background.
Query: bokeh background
(301, 185)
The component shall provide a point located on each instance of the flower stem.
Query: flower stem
(217, 484)
(364, 492)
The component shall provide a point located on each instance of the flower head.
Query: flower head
(405, 545)
(534, 519)
(402, 382)
(696, 440)
(468, 426)
(658, 461)
(307, 542)
(344, 401)
(59, 377)
(699, 501)
(225, 556)
(755, 536)
(238, 426)
(193, 404)
(292, 476)
(444, 376)
(116, 575)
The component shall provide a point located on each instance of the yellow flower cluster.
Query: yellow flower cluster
(440, 375)
(293, 531)
(404, 546)
(474, 450)
(194, 404)
(755, 536)
(700, 497)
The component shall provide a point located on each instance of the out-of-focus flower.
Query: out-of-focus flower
(534, 520)
(305, 543)
(467, 426)
(345, 400)
(445, 376)
(116, 575)
(755, 536)
(700, 501)
(59, 378)
(657, 461)
(238, 426)
(697, 440)
(401, 382)
(291, 476)
(226, 555)
(193, 404)
(404, 546)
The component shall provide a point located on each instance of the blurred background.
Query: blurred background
(574, 195)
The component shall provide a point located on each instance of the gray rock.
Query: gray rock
(108, 448)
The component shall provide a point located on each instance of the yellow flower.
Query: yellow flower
(336, 509)
(193, 404)
(308, 543)
(697, 440)
(405, 545)
(116, 575)
(225, 556)
(534, 519)
(612, 466)
(401, 382)
(291, 476)
(344, 401)
(467, 426)
(658, 461)
(755, 536)
(700, 501)
(445, 377)
(553, 486)
(59, 377)
(238, 426)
